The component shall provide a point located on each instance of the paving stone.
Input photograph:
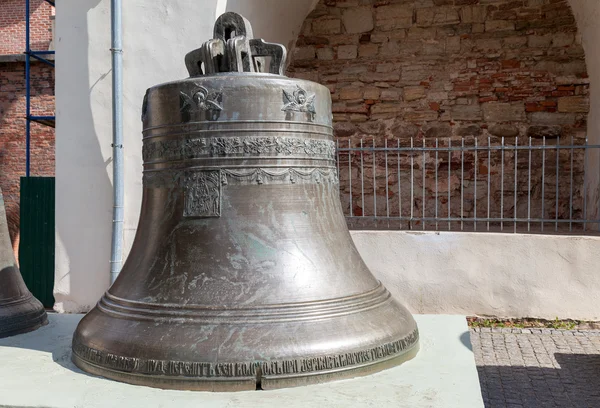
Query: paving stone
(538, 367)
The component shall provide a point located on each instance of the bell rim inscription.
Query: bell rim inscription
(268, 375)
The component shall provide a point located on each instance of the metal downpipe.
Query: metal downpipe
(116, 257)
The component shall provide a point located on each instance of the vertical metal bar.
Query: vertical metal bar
(462, 181)
(475, 189)
(557, 167)
(529, 189)
(502, 185)
(412, 182)
(27, 91)
(489, 182)
(516, 192)
(362, 178)
(585, 183)
(571, 192)
(399, 183)
(374, 185)
(387, 200)
(423, 195)
(337, 153)
(543, 179)
(350, 176)
(436, 183)
(449, 173)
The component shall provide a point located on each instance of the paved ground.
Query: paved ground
(533, 368)
(36, 371)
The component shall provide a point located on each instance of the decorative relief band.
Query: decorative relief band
(185, 179)
(207, 315)
(298, 366)
(180, 149)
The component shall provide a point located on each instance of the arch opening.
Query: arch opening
(449, 71)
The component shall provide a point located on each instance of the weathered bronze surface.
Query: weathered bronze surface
(20, 312)
(243, 273)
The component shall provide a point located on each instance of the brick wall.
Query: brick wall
(12, 25)
(451, 69)
(12, 102)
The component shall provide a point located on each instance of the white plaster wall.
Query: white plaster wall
(157, 35)
(83, 129)
(507, 275)
(587, 15)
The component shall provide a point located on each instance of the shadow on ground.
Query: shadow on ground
(575, 384)
(465, 339)
(50, 339)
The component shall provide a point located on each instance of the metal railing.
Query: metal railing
(538, 185)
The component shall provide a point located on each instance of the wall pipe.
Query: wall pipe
(116, 256)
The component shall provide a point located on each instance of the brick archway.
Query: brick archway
(451, 69)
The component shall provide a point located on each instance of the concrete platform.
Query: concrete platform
(36, 371)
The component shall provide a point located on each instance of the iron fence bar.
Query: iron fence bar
(449, 176)
(492, 219)
(412, 189)
(571, 192)
(362, 178)
(387, 195)
(462, 182)
(529, 187)
(543, 180)
(502, 186)
(515, 197)
(374, 183)
(436, 182)
(585, 184)
(350, 178)
(423, 194)
(489, 182)
(473, 148)
(557, 175)
(399, 183)
(337, 153)
(475, 189)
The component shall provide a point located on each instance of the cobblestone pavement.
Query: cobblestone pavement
(538, 367)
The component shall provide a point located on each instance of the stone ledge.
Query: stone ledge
(443, 374)
(21, 58)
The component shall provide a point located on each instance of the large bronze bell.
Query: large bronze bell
(243, 273)
(20, 312)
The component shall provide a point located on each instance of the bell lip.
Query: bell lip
(247, 383)
(26, 322)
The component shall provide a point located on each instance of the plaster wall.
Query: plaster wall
(587, 14)
(507, 275)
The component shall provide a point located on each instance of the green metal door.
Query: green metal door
(36, 246)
